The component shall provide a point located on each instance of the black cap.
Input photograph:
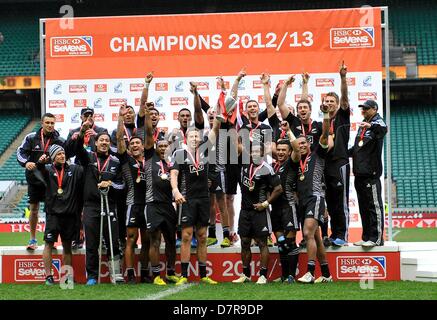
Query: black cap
(369, 104)
(86, 110)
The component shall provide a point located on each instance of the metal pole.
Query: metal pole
(388, 122)
(42, 37)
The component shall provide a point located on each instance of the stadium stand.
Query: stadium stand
(12, 125)
(414, 155)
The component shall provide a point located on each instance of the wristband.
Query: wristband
(326, 116)
(146, 85)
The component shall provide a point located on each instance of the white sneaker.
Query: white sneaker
(368, 244)
(323, 279)
(262, 280)
(306, 278)
(359, 243)
(118, 278)
(241, 279)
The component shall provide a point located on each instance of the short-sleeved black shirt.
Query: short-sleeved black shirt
(157, 188)
(287, 172)
(338, 155)
(313, 131)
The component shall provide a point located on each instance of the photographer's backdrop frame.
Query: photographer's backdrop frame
(101, 62)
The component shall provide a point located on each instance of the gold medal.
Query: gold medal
(138, 180)
(360, 144)
(251, 186)
(302, 177)
(164, 176)
(60, 191)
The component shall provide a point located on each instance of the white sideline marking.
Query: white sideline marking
(168, 292)
(396, 233)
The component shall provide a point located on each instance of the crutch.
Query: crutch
(104, 202)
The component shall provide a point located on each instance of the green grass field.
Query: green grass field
(225, 291)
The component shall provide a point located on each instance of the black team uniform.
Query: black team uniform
(99, 167)
(337, 172)
(285, 218)
(367, 168)
(160, 213)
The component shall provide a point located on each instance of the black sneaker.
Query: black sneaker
(146, 279)
(327, 242)
(131, 280)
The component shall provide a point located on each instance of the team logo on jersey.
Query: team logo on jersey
(179, 87)
(57, 89)
(357, 37)
(118, 88)
(193, 168)
(357, 267)
(71, 46)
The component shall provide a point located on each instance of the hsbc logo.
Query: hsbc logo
(358, 37)
(357, 267)
(71, 46)
(363, 96)
(325, 82)
(32, 270)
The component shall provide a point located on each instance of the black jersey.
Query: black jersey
(193, 167)
(260, 133)
(313, 131)
(178, 136)
(339, 128)
(256, 182)
(129, 131)
(311, 167)
(158, 188)
(288, 175)
(135, 177)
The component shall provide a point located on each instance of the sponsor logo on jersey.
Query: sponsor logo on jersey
(57, 103)
(357, 267)
(71, 46)
(33, 270)
(193, 168)
(356, 37)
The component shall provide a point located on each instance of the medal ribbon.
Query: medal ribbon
(310, 126)
(105, 164)
(277, 166)
(363, 131)
(283, 133)
(251, 129)
(127, 133)
(304, 164)
(251, 175)
(155, 135)
(59, 176)
(139, 167)
(45, 146)
(161, 163)
(195, 161)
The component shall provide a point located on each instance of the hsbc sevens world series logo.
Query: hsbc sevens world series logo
(73, 46)
(357, 37)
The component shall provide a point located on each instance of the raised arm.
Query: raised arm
(234, 90)
(148, 130)
(121, 144)
(305, 79)
(198, 115)
(344, 99)
(145, 93)
(325, 126)
(265, 79)
(281, 98)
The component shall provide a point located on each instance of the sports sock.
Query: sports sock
(184, 267)
(130, 272)
(226, 232)
(311, 267)
(202, 269)
(170, 271)
(293, 258)
(155, 271)
(211, 231)
(263, 272)
(285, 264)
(144, 272)
(246, 271)
(325, 269)
(179, 234)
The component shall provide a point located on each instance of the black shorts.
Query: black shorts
(161, 216)
(232, 177)
(218, 185)
(312, 207)
(285, 219)
(36, 192)
(254, 224)
(194, 212)
(63, 225)
(136, 216)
